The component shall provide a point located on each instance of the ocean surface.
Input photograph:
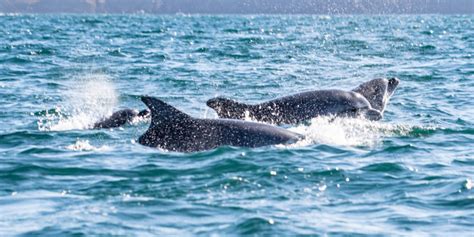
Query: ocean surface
(411, 173)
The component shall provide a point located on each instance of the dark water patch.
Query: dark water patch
(231, 31)
(460, 203)
(349, 233)
(384, 167)
(202, 50)
(230, 165)
(329, 173)
(409, 223)
(158, 57)
(252, 226)
(449, 131)
(374, 65)
(42, 52)
(155, 31)
(434, 177)
(468, 161)
(427, 49)
(54, 231)
(427, 32)
(13, 139)
(399, 149)
(54, 85)
(354, 44)
(233, 54)
(251, 40)
(12, 179)
(38, 151)
(461, 121)
(19, 60)
(332, 149)
(91, 21)
(116, 52)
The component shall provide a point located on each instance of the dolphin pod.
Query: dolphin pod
(368, 100)
(173, 130)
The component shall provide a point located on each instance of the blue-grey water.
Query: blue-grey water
(409, 174)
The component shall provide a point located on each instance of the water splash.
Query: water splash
(346, 131)
(91, 98)
(84, 145)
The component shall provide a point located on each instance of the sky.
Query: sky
(240, 6)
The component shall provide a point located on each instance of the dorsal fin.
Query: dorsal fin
(162, 112)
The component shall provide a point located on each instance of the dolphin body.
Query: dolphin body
(367, 101)
(173, 130)
(120, 118)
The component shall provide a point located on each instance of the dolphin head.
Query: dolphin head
(218, 103)
(125, 115)
(378, 91)
(144, 113)
(227, 108)
(117, 119)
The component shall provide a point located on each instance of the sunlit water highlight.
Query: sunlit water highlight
(408, 174)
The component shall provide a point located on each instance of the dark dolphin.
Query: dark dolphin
(299, 107)
(173, 130)
(378, 91)
(120, 118)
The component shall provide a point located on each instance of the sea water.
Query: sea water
(409, 174)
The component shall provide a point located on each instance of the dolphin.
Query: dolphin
(120, 118)
(303, 106)
(173, 130)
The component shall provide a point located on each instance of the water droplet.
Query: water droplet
(322, 188)
(468, 184)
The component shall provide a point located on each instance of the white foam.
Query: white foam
(84, 145)
(346, 132)
(90, 98)
(468, 184)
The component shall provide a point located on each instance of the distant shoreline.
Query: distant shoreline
(232, 7)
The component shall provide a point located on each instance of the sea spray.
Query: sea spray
(90, 99)
(346, 131)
